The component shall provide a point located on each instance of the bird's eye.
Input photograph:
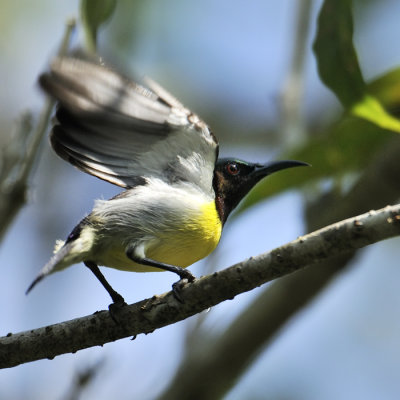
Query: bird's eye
(232, 168)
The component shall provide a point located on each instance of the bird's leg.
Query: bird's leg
(116, 297)
(185, 275)
(182, 272)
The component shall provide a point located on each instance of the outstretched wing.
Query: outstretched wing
(122, 132)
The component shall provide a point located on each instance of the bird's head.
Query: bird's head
(233, 179)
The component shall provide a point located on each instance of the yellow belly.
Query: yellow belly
(187, 243)
(194, 240)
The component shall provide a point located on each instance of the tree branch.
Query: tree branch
(229, 353)
(150, 314)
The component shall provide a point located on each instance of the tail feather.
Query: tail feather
(56, 263)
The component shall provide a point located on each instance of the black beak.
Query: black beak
(267, 169)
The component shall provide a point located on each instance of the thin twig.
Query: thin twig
(20, 153)
(292, 93)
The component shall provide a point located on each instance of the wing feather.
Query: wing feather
(122, 132)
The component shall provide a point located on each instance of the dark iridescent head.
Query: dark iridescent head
(233, 179)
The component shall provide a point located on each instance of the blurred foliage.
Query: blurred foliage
(336, 56)
(387, 89)
(93, 14)
(338, 64)
(348, 144)
(124, 37)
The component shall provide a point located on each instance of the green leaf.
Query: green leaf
(336, 56)
(387, 89)
(370, 109)
(93, 14)
(346, 146)
(338, 65)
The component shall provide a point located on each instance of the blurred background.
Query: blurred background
(247, 68)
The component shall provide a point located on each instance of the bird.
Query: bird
(177, 192)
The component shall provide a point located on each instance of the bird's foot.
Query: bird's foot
(186, 277)
(115, 308)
